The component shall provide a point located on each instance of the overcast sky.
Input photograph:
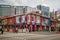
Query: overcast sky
(53, 4)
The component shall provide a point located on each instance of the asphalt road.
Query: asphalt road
(30, 36)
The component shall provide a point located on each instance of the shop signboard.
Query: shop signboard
(4, 21)
(11, 21)
(38, 20)
(18, 20)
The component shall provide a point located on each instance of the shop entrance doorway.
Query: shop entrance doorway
(37, 27)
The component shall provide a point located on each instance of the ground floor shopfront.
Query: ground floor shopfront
(30, 28)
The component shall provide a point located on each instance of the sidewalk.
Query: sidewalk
(43, 32)
(24, 36)
(36, 32)
(21, 35)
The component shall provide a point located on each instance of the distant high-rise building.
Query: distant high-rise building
(29, 9)
(57, 14)
(44, 10)
(24, 9)
(8, 10)
(19, 9)
(52, 14)
(58, 10)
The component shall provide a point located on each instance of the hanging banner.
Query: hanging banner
(11, 21)
(23, 19)
(33, 19)
(46, 22)
(43, 22)
(38, 20)
(4, 21)
(28, 19)
(18, 20)
(49, 22)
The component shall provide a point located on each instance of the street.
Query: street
(29, 19)
(30, 36)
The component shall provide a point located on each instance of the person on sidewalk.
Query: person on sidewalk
(59, 29)
(16, 30)
(2, 30)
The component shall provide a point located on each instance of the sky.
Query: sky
(53, 4)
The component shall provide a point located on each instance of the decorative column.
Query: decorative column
(20, 22)
(35, 22)
(41, 23)
(30, 23)
(26, 23)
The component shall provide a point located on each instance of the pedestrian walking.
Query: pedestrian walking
(2, 30)
(16, 30)
(59, 29)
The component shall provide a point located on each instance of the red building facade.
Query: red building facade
(32, 21)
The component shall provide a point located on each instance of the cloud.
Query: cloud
(20, 2)
(9, 2)
(53, 4)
